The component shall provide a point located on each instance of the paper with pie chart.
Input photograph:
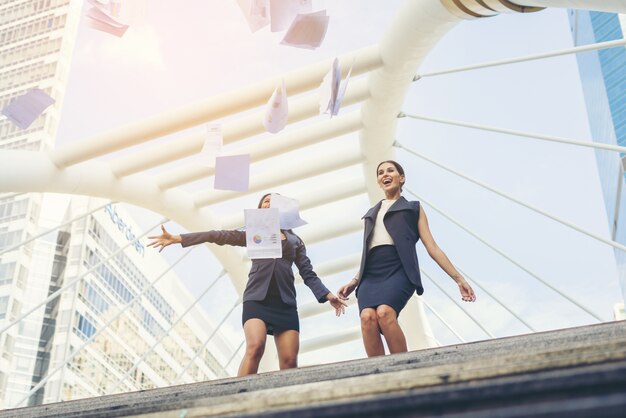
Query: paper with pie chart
(263, 233)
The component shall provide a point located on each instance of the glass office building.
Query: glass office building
(36, 46)
(603, 77)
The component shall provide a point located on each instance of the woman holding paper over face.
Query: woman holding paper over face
(389, 272)
(269, 300)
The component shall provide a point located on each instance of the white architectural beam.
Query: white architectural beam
(330, 339)
(34, 172)
(253, 125)
(332, 228)
(617, 6)
(315, 308)
(216, 107)
(337, 265)
(280, 143)
(312, 197)
(344, 156)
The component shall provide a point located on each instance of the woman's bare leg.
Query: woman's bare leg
(371, 333)
(388, 322)
(256, 335)
(287, 346)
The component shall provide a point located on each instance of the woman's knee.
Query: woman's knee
(255, 349)
(369, 318)
(289, 361)
(386, 315)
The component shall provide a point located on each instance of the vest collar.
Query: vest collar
(398, 205)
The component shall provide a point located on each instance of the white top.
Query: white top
(380, 235)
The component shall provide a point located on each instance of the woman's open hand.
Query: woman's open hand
(339, 305)
(163, 240)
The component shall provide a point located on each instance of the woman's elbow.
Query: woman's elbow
(433, 251)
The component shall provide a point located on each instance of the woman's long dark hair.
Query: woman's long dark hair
(261, 201)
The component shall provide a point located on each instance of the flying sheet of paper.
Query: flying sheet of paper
(232, 173)
(24, 109)
(256, 12)
(289, 211)
(341, 93)
(307, 30)
(110, 7)
(282, 12)
(100, 20)
(330, 88)
(263, 233)
(212, 144)
(277, 110)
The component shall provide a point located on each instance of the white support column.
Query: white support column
(416, 327)
(269, 361)
(414, 30)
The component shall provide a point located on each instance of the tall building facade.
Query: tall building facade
(36, 45)
(603, 78)
(127, 311)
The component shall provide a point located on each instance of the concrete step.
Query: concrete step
(572, 372)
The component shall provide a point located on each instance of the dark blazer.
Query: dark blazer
(401, 223)
(263, 269)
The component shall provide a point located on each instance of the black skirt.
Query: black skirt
(277, 315)
(384, 281)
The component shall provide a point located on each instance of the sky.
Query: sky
(173, 55)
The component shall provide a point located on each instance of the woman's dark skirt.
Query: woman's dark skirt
(384, 281)
(277, 315)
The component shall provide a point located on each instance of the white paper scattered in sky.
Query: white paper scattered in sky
(307, 30)
(263, 233)
(283, 12)
(24, 109)
(232, 172)
(102, 21)
(332, 89)
(256, 12)
(341, 93)
(289, 211)
(277, 110)
(212, 144)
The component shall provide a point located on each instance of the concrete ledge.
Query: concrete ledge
(489, 367)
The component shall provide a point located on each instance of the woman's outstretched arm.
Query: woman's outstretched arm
(437, 254)
(237, 238)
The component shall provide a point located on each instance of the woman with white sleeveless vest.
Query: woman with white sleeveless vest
(389, 272)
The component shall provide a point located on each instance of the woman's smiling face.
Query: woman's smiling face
(389, 178)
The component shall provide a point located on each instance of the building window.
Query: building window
(4, 304)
